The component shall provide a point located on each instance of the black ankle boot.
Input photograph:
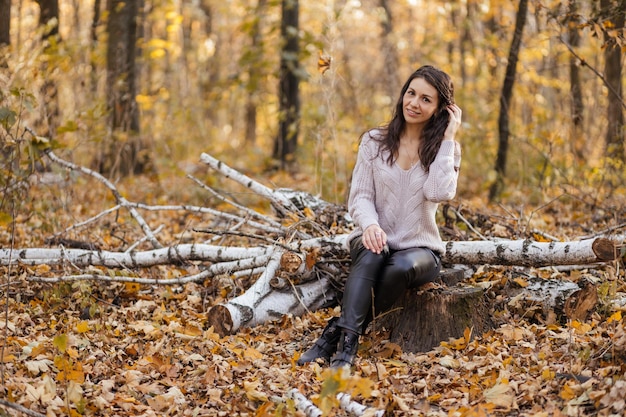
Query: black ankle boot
(346, 350)
(325, 346)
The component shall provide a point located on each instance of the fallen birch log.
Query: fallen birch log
(280, 290)
(249, 308)
(353, 408)
(263, 301)
(481, 252)
(140, 259)
(528, 252)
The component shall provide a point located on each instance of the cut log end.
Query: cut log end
(605, 249)
(220, 319)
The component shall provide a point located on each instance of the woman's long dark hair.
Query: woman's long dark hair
(432, 135)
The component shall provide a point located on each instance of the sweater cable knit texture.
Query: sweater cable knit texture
(402, 202)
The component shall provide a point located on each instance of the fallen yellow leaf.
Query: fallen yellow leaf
(83, 327)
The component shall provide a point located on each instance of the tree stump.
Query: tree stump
(421, 319)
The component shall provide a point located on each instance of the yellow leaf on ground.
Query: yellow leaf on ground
(252, 391)
(42, 269)
(7, 357)
(252, 353)
(60, 342)
(548, 374)
(617, 316)
(83, 327)
(567, 392)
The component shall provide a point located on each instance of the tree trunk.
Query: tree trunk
(95, 23)
(212, 67)
(390, 77)
(252, 63)
(48, 10)
(575, 83)
(615, 147)
(49, 19)
(124, 154)
(505, 100)
(577, 107)
(5, 24)
(286, 142)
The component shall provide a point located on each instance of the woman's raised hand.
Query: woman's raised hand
(455, 122)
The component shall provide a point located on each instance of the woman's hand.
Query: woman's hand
(374, 238)
(454, 123)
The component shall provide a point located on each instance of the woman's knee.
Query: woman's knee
(415, 266)
(364, 258)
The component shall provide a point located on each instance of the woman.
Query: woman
(403, 171)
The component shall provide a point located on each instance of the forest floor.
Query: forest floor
(121, 349)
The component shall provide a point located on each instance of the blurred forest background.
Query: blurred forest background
(283, 89)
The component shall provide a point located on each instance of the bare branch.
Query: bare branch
(281, 203)
(20, 408)
(108, 184)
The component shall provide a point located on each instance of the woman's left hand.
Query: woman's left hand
(454, 123)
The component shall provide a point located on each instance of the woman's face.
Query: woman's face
(420, 102)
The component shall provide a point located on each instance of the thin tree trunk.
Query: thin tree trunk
(125, 154)
(286, 142)
(496, 31)
(49, 12)
(122, 30)
(505, 100)
(49, 9)
(613, 73)
(211, 74)
(254, 73)
(577, 106)
(5, 22)
(466, 43)
(390, 55)
(94, 44)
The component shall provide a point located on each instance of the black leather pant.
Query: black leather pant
(384, 277)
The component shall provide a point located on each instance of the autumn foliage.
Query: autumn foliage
(207, 82)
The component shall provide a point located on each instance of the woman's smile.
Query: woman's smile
(420, 101)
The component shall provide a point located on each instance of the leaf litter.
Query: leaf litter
(114, 349)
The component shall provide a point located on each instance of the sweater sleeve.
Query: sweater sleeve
(443, 173)
(361, 202)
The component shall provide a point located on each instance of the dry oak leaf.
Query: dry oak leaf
(500, 395)
(252, 391)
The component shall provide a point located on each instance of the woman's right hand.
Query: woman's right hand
(374, 238)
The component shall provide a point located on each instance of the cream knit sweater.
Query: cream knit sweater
(402, 202)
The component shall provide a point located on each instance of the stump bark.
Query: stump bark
(423, 318)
